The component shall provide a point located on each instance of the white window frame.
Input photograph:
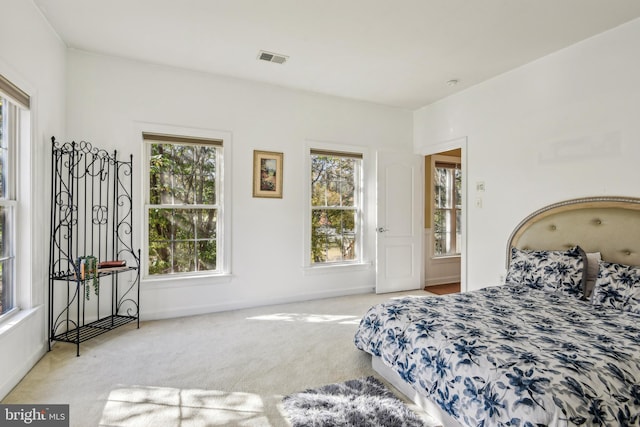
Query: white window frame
(223, 255)
(11, 134)
(435, 159)
(17, 128)
(362, 215)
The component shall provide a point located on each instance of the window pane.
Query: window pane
(333, 193)
(6, 266)
(207, 255)
(348, 246)
(183, 259)
(442, 188)
(5, 231)
(182, 240)
(458, 241)
(458, 188)
(6, 288)
(4, 151)
(347, 192)
(333, 235)
(182, 174)
(7, 227)
(318, 193)
(333, 180)
(441, 231)
(319, 233)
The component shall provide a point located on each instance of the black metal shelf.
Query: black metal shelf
(93, 329)
(71, 277)
(91, 221)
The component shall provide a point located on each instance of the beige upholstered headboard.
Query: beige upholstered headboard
(609, 225)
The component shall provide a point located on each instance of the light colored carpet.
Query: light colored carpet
(230, 368)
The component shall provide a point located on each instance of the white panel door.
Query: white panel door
(400, 183)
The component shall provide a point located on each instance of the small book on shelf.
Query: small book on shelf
(113, 263)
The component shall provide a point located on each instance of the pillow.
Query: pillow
(618, 286)
(562, 271)
(593, 266)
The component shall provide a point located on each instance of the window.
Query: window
(447, 208)
(13, 102)
(336, 207)
(184, 210)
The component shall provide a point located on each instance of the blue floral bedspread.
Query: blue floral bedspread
(512, 356)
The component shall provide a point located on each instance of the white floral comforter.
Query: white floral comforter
(512, 356)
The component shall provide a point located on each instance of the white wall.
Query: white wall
(32, 57)
(108, 97)
(564, 126)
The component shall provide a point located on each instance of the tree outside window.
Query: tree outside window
(335, 207)
(183, 207)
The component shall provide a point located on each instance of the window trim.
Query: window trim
(356, 151)
(222, 140)
(18, 131)
(435, 160)
(16, 95)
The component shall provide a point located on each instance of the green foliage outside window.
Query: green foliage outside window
(183, 212)
(334, 212)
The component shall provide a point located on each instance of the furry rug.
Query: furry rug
(360, 402)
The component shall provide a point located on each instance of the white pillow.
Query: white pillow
(593, 260)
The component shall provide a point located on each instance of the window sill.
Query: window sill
(179, 281)
(336, 268)
(14, 319)
(446, 257)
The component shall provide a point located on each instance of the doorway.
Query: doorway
(445, 217)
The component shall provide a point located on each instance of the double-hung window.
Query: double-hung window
(184, 210)
(336, 207)
(14, 105)
(447, 204)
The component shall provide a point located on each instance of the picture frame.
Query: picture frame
(267, 174)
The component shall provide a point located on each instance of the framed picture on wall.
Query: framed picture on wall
(267, 174)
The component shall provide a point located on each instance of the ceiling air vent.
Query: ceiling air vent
(272, 57)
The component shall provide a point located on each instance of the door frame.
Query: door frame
(428, 150)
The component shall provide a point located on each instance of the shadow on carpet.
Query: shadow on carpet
(360, 402)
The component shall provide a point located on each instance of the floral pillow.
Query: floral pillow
(618, 286)
(562, 271)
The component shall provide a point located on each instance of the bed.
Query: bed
(558, 344)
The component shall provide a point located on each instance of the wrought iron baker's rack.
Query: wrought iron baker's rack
(91, 218)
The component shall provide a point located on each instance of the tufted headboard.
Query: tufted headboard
(609, 225)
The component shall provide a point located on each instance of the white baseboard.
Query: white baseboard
(20, 371)
(442, 280)
(20, 346)
(237, 305)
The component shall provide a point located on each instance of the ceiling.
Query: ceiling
(398, 53)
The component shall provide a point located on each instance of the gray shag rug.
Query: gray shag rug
(360, 402)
